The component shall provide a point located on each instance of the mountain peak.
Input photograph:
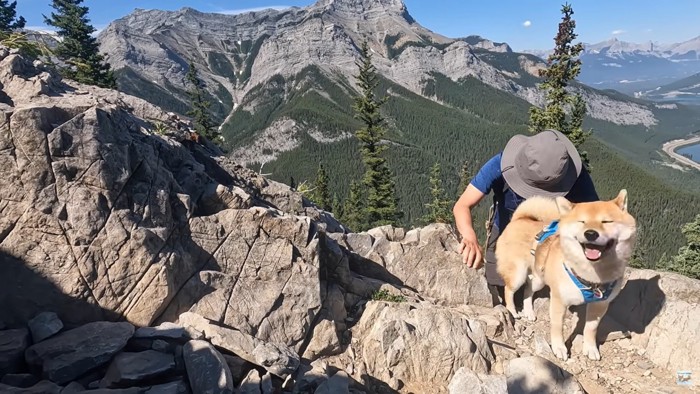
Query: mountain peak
(362, 6)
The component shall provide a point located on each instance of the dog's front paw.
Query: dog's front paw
(513, 313)
(559, 350)
(591, 351)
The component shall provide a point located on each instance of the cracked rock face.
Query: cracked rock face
(100, 219)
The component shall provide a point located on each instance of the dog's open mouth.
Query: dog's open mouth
(594, 252)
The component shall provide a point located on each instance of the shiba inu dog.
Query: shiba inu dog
(580, 251)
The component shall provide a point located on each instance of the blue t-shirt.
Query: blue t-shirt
(490, 178)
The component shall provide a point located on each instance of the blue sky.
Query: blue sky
(524, 24)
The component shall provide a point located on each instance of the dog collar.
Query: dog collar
(591, 292)
(544, 234)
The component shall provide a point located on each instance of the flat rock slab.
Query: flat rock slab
(44, 325)
(43, 387)
(131, 369)
(206, 369)
(13, 343)
(19, 380)
(166, 330)
(71, 354)
(279, 359)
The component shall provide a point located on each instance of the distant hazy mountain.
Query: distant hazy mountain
(632, 67)
(686, 90)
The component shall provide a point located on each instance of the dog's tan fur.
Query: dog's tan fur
(516, 264)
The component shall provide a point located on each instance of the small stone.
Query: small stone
(44, 325)
(644, 364)
(576, 368)
(617, 335)
(641, 352)
(542, 347)
(624, 343)
(498, 367)
(647, 373)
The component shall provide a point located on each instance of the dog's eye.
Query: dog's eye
(582, 221)
(606, 221)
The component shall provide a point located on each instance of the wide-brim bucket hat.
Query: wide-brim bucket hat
(545, 164)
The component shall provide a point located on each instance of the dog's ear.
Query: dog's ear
(564, 205)
(621, 200)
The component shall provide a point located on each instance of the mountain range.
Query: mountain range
(633, 68)
(282, 84)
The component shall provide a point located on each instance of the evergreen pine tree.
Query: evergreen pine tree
(337, 208)
(563, 66)
(439, 207)
(321, 195)
(354, 210)
(465, 176)
(11, 35)
(8, 17)
(382, 203)
(199, 105)
(77, 47)
(292, 183)
(687, 261)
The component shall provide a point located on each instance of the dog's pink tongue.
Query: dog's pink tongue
(592, 254)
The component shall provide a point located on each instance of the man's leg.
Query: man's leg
(497, 296)
(494, 280)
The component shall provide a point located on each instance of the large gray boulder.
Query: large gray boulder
(141, 226)
(536, 375)
(206, 368)
(13, 343)
(419, 344)
(661, 311)
(71, 354)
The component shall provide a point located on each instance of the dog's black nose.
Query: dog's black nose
(591, 235)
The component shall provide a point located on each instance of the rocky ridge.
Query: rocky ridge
(149, 263)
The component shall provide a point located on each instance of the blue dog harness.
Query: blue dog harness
(591, 292)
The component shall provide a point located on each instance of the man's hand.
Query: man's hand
(471, 253)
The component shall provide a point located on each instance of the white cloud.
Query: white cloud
(527, 23)
(254, 9)
(618, 32)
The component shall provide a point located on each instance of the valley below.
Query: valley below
(671, 148)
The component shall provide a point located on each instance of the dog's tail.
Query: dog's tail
(538, 208)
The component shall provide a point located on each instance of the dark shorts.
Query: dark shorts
(492, 276)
